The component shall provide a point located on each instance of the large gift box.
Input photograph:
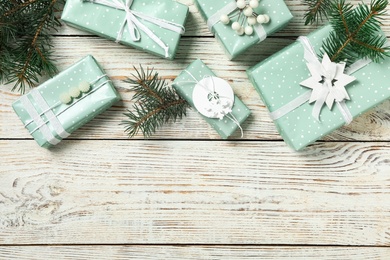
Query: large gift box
(234, 44)
(154, 27)
(212, 97)
(64, 103)
(278, 81)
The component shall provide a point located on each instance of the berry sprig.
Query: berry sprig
(246, 17)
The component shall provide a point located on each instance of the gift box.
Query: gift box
(277, 79)
(153, 27)
(64, 103)
(212, 97)
(234, 44)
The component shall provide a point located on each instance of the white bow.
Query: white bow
(134, 25)
(327, 81)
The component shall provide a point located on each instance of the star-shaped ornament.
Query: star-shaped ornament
(327, 81)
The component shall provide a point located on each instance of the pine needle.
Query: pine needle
(155, 104)
(25, 42)
(356, 32)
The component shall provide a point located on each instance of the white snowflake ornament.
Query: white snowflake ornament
(328, 82)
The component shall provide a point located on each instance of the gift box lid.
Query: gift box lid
(277, 79)
(107, 22)
(235, 44)
(44, 107)
(185, 85)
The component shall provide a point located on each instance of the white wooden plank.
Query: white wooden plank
(192, 252)
(194, 192)
(118, 61)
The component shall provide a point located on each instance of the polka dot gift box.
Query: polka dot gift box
(153, 26)
(212, 97)
(240, 24)
(64, 103)
(306, 107)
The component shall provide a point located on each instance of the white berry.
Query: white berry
(84, 87)
(254, 3)
(248, 30)
(263, 18)
(74, 92)
(248, 11)
(225, 19)
(252, 20)
(236, 26)
(241, 31)
(65, 98)
(266, 18)
(241, 4)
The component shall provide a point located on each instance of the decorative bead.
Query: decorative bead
(254, 3)
(224, 19)
(263, 18)
(236, 26)
(266, 18)
(248, 30)
(65, 98)
(241, 4)
(74, 92)
(84, 87)
(248, 11)
(241, 31)
(252, 20)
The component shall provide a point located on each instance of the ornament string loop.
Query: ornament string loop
(132, 20)
(211, 100)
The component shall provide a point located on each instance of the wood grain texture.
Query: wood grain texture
(192, 252)
(182, 195)
(188, 192)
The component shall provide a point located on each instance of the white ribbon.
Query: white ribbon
(44, 129)
(228, 9)
(326, 92)
(47, 111)
(134, 25)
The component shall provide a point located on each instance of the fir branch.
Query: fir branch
(317, 10)
(356, 32)
(155, 104)
(25, 42)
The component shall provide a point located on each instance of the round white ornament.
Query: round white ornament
(241, 4)
(213, 97)
(225, 19)
(254, 3)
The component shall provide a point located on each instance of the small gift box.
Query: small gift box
(64, 103)
(240, 24)
(306, 106)
(212, 97)
(146, 25)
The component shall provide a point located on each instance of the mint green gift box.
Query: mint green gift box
(71, 116)
(277, 80)
(107, 22)
(235, 44)
(184, 85)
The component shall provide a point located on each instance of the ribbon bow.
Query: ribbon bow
(327, 81)
(134, 25)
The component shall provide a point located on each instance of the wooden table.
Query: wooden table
(185, 193)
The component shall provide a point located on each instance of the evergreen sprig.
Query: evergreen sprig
(155, 103)
(317, 10)
(25, 41)
(356, 32)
